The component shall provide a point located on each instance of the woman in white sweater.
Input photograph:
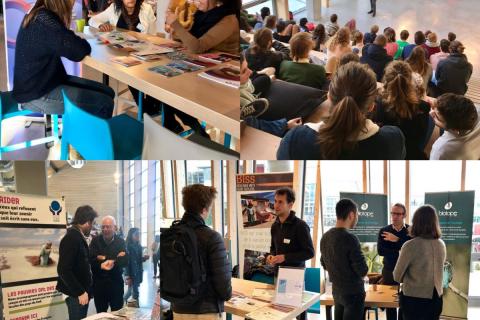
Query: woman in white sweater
(420, 268)
(133, 15)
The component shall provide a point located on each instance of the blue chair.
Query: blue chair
(118, 138)
(9, 109)
(263, 278)
(312, 283)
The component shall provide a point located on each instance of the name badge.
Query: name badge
(286, 241)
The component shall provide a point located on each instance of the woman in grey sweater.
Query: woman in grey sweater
(420, 268)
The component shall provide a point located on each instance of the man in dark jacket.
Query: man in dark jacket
(107, 259)
(197, 201)
(376, 56)
(291, 243)
(390, 241)
(74, 273)
(342, 257)
(454, 72)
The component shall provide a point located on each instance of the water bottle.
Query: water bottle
(366, 283)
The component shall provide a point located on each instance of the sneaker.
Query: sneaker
(370, 12)
(254, 109)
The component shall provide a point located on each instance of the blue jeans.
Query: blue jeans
(132, 290)
(91, 96)
(75, 310)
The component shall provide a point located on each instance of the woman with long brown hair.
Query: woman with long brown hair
(347, 133)
(133, 15)
(418, 63)
(337, 46)
(420, 268)
(399, 105)
(39, 75)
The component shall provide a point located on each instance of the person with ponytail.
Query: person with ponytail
(39, 75)
(399, 105)
(346, 133)
(419, 64)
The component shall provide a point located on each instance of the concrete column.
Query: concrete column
(314, 10)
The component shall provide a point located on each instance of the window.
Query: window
(169, 190)
(225, 196)
(432, 176)
(375, 176)
(337, 176)
(473, 183)
(158, 200)
(396, 182)
(144, 205)
(256, 8)
(131, 193)
(200, 171)
(309, 193)
(269, 166)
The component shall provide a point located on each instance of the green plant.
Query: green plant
(374, 261)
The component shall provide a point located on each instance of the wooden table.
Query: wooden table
(383, 297)
(246, 287)
(257, 144)
(206, 100)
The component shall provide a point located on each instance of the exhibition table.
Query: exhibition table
(125, 313)
(383, 297)
(214, 103)
(243, 303)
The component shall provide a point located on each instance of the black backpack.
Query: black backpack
(182, 269)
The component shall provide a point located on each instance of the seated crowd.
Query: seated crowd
(356, 95)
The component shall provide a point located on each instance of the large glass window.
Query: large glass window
(144, 204)
(396, 181)
(269, 166)
(336, 177)
(169, 191)
(375, 176)
(200, 171)
(472, 182)
(131, 193)
(254, 9)
(158, 200)
(432, 176)
(309, 193)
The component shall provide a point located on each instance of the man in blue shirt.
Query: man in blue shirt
(390, 241)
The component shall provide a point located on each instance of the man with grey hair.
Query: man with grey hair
(107, 258)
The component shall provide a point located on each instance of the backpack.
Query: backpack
(182, 269)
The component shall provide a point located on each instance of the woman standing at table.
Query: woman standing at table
(420, 268)
(39, 75)
(215, 28)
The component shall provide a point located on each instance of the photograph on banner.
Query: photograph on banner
(255, 266)
(255, 197)
(28, 254)
(34, 301)
(455, 211)
(372, 216)
(257, 209)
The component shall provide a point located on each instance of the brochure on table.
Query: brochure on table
(289, 289)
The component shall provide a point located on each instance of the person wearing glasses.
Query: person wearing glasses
(107, 259)
(390, 241)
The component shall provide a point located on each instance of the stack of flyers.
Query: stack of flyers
(199, 62)
(183, 66)
(126, 61)
(177, 55)
(216, 58)
(166, 71)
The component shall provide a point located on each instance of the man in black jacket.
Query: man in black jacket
(107, 259)
(390, 241)
(197, 201)
(373, 7)
(342, 257)
(74, 273)
(291, 243)
(454, 72)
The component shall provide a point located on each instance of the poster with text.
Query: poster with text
(31, 228)
(256, 215)
(372, 214)
(455, 211)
